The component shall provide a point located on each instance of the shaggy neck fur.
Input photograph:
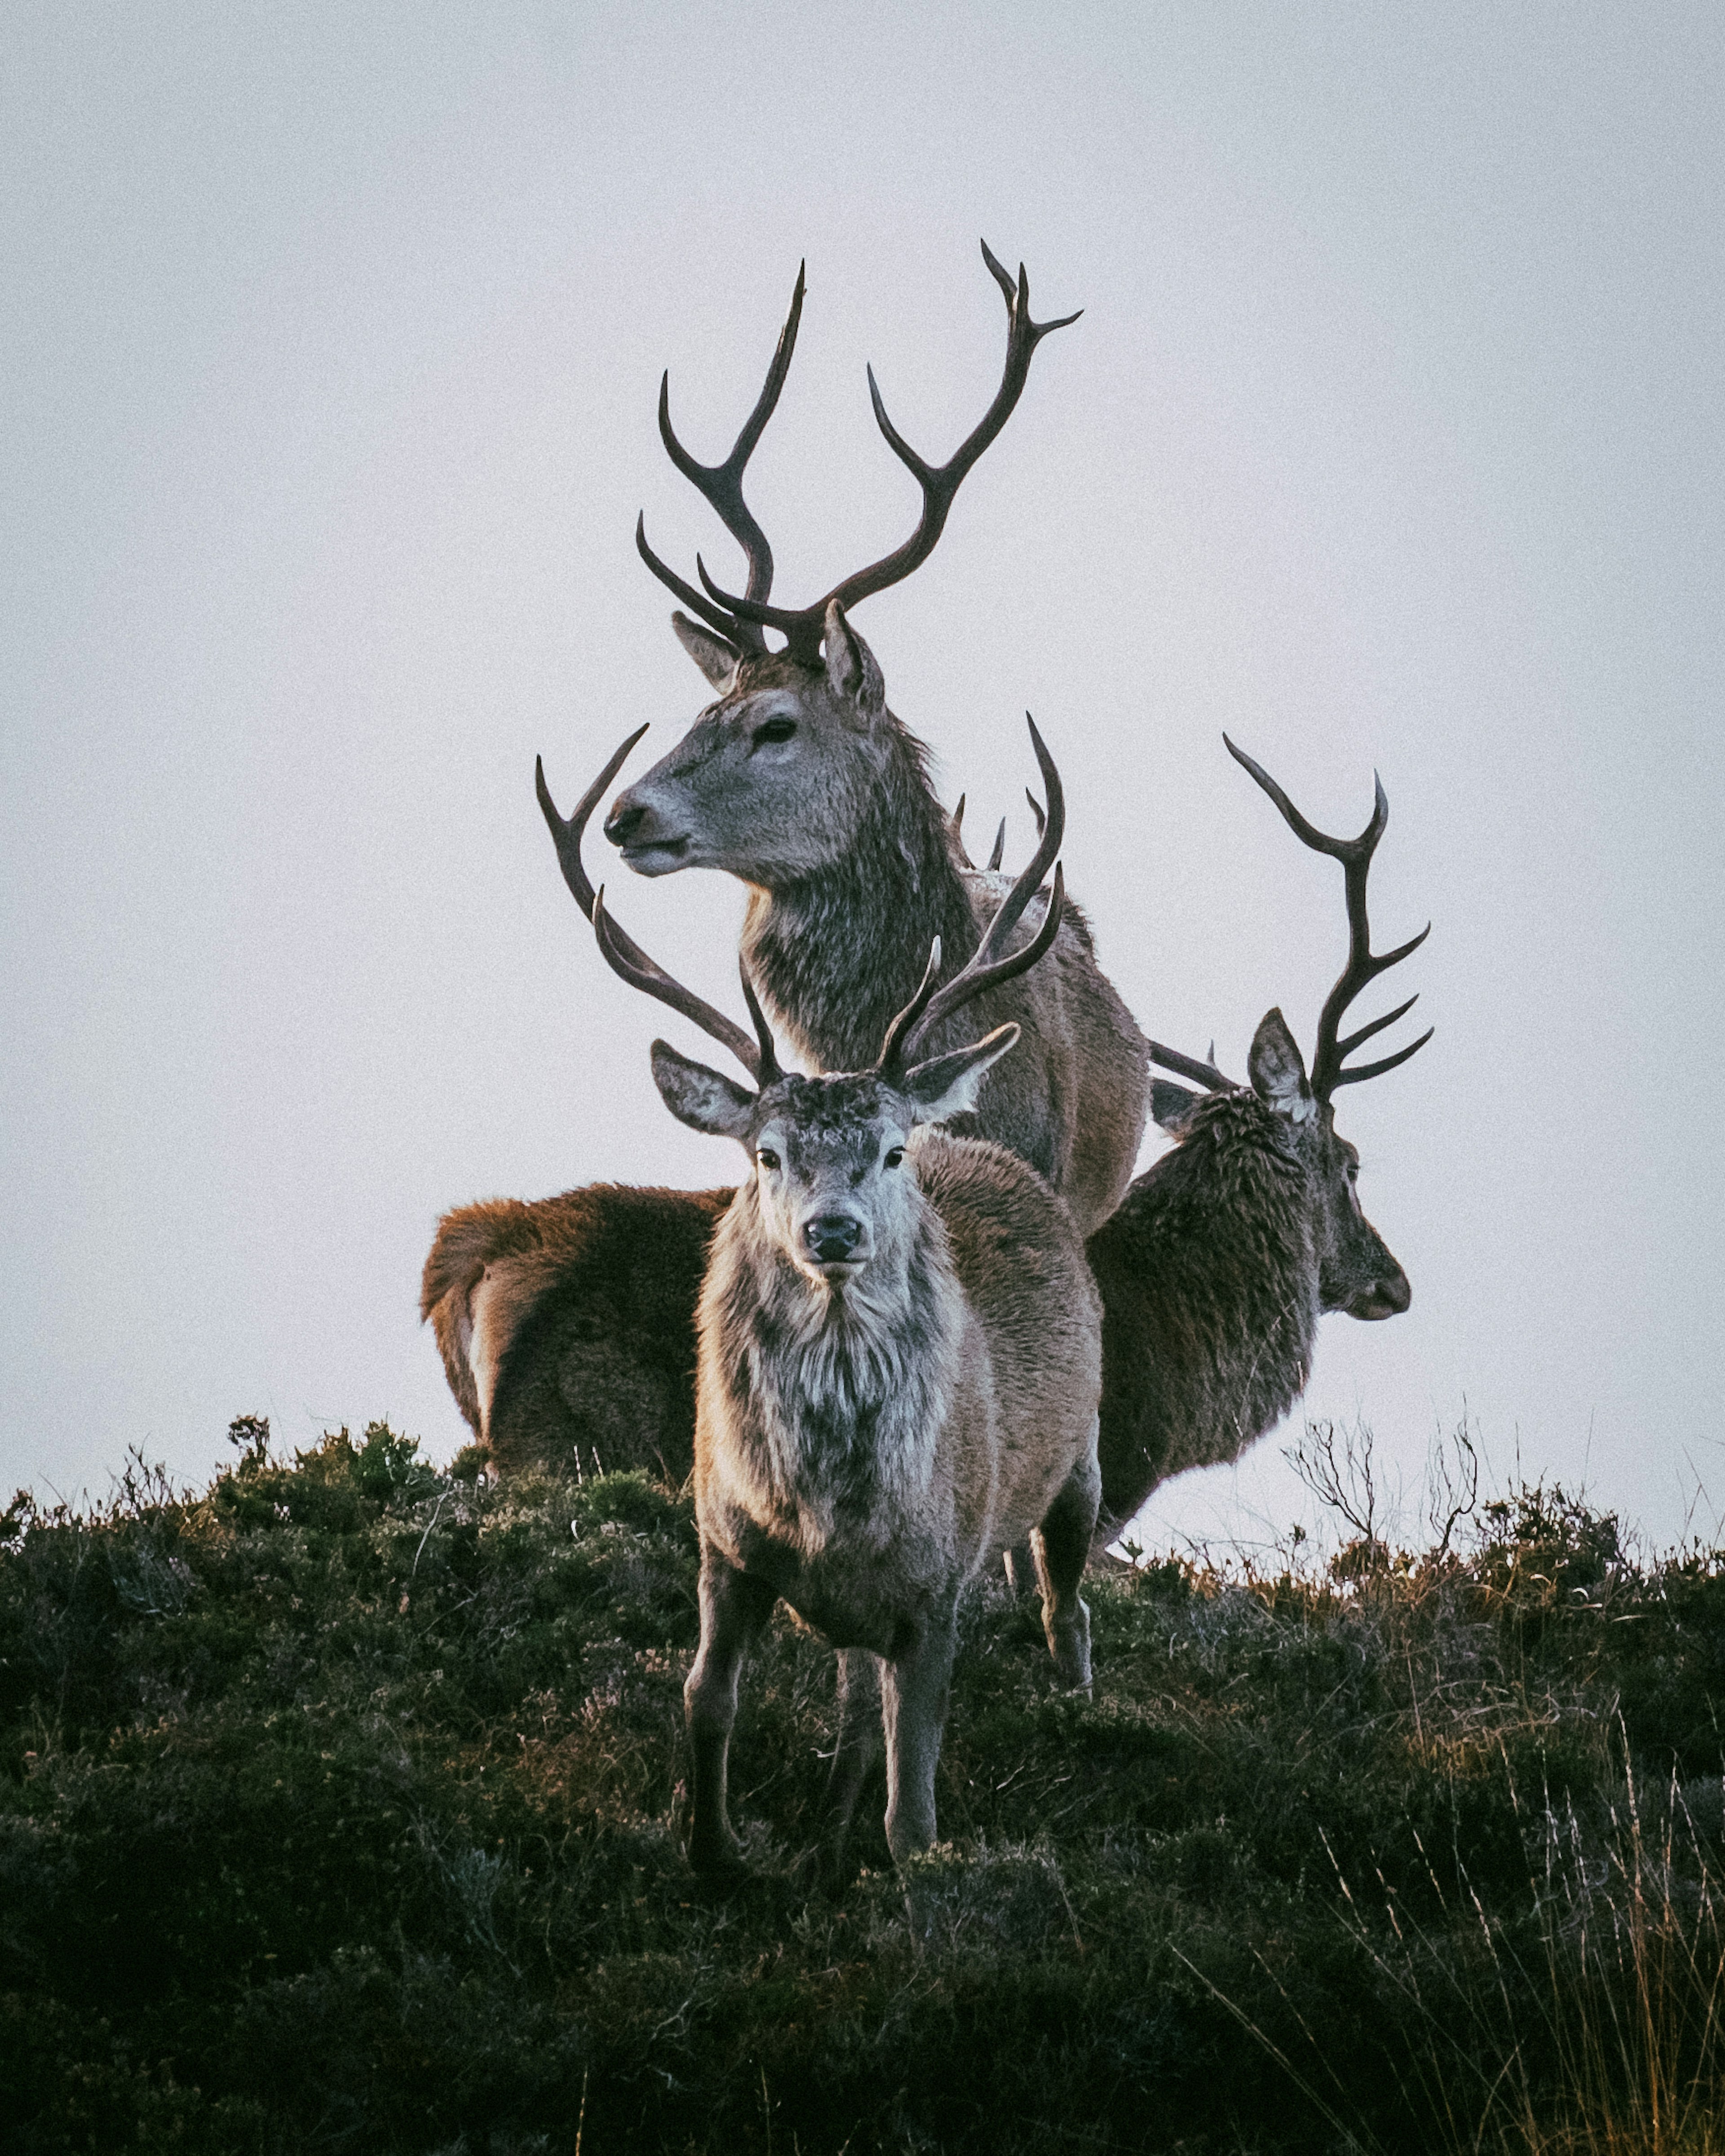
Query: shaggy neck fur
(1209, 1331)
(834, 1394)
(840, 954)
(1239, 1229)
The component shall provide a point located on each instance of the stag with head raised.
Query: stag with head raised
(898, 1368)
(798, 780)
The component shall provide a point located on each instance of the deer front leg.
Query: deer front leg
(914, 1687)
(733, 1608)
(1061, 1544)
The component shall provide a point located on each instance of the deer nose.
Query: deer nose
(1387, 1296)
(624, 820)
(1394, 1292)
(832, 1237)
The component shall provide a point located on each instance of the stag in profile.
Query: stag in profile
(798, 780)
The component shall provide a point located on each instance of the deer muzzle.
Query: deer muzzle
(836, 1239)
(1387, 1296)
(649, 844)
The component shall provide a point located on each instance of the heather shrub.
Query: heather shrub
(340, 1808)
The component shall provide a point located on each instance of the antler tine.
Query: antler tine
(744, 633)
(1384, 1062)
(1363, 965)
(980, 975)
(566, 835)
(955, 824)
(769, 1069)
(1048, 845)
(998, 855)
(939, 483)
(1343, 850)
(1036, 811)
(625, 958)
(1192, 1066)
(901, 1026)
(1346, 1045)
(722, 485)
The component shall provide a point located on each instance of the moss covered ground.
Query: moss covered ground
(339, 1804)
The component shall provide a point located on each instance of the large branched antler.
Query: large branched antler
(992, 963)
(1329, 1067)
(742, 616)
(722, 484)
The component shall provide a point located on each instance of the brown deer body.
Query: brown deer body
(800, 781)
(899, 1363)
(567, 1327)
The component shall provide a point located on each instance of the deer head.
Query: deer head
(568, 832)
(773, 781)
(1356, 1272)
(827, 1154)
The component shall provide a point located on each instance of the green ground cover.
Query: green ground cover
(338, 1810)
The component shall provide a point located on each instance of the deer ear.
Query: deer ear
(716, 659)
(947, 1086)
(700, 1097)
(850, 666)
(1277, 1069)
(1171, 1105)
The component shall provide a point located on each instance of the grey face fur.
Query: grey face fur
(831, 1185)
(773, 781)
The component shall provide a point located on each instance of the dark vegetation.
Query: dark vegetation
(339, 1812)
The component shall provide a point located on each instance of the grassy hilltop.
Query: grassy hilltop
(338, 1807)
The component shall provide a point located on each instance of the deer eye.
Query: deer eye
(767, 1157)
(894, 1157)
(774, 730)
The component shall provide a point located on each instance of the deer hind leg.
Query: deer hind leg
(1062, 1544)
(914, 1687)
(1020, 1568)
(734, 1607)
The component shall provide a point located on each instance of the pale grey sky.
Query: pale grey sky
(1391, 436)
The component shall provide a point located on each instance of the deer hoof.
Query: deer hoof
(717, 1859)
